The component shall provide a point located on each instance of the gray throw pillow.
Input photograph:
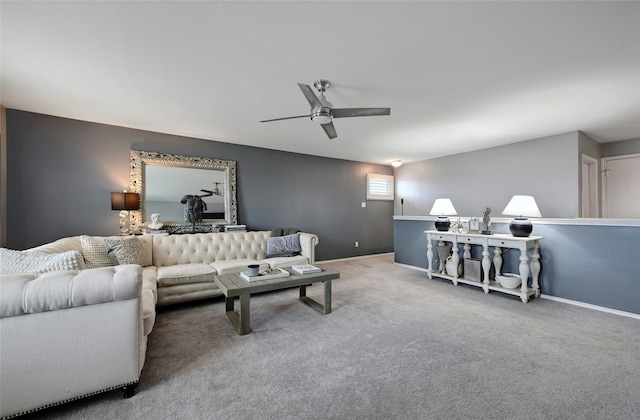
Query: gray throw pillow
(284, 246)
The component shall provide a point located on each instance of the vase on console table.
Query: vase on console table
(443, 253)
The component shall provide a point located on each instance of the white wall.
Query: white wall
(546, 168)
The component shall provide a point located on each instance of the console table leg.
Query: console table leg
(486, 266)
(429, 256)
(535, 270)
(524, 275)
(497, 259)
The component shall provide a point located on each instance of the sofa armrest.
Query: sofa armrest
(26, 293)
(308, 242)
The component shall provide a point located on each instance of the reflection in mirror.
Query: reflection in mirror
(163, 194)
(165, 181)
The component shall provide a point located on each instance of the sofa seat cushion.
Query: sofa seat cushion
(187, 292)
(185, 273)
(279, 262)
(236, 266)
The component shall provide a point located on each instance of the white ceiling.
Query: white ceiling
(458, 76)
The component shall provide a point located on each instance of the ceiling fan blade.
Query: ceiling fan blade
(311, 97)
(288, 118)
(359, 112)
(330, 130)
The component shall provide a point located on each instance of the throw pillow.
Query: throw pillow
(94, 251)
(18, 262)
(128, 250)
(284, 246)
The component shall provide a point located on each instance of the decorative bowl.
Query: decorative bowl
(509, 280)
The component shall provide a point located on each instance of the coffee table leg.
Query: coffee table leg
(326, 308)
(241, 320)
(327, 297)
(245, 317)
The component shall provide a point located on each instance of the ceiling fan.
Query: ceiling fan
(323, 112)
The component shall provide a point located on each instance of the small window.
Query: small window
(379, 187)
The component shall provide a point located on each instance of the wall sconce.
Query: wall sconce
(442, 208)
(125, 202)
(521, 206)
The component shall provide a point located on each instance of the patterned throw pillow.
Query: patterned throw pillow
(17, 262)
(128, 250)
(94, 251)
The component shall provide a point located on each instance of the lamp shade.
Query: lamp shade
(125, 201)
(443, 207)
(522, 205)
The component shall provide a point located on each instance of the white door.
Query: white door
(621, 186)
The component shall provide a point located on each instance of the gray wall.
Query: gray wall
(546, 168)
(60, 173)
(618, 148)
(591, 264)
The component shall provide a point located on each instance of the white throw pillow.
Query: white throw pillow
(95, 251)
(17, 262)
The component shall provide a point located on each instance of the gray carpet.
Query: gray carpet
(397, 345)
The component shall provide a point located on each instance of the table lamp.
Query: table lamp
(442, 208)
(521, 206)
(125, 201)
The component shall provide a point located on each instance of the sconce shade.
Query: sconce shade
(521, 206)
(125, 201)
(443, 207)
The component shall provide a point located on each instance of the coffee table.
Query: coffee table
(233, 286)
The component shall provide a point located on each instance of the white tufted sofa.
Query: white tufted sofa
(186, 264)
(69, 334)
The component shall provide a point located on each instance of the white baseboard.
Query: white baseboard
(354, 258)
(590, 306)
(558, 299)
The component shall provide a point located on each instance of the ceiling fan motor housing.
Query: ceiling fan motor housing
(321, 116)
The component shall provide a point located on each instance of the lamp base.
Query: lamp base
(442, 223)
(521, 227)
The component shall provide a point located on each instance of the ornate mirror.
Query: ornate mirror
(164, 181)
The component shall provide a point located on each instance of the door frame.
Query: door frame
(604, 161)
(593, 203)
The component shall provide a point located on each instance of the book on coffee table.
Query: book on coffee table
(306, 269)
(269, 273)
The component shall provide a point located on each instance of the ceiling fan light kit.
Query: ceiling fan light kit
(323, 112)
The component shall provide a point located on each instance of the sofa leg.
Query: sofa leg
(130, 390)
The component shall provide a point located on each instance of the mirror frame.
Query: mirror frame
(138, 161)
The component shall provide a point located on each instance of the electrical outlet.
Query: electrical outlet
(356, 244)
(364, 204)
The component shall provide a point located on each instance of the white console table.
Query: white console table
(498, 242)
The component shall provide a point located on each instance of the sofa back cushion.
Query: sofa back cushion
(208, 247)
